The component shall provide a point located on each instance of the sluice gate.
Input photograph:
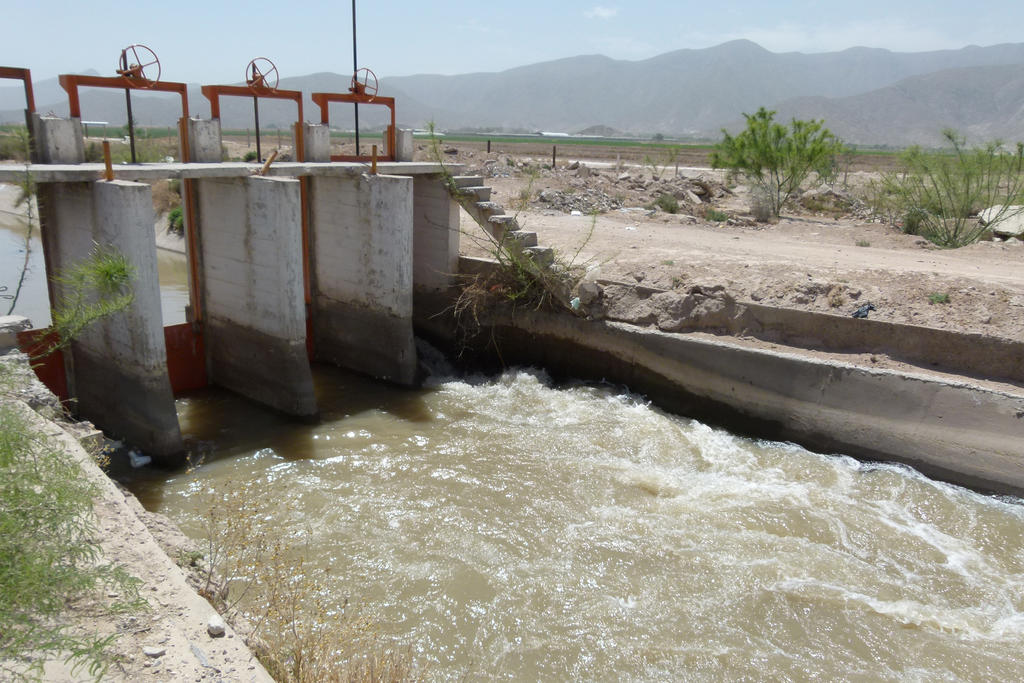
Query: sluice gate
(306, 259)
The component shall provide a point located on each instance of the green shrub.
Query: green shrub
(940, 193)
(176, 221)
(249, 156)
(715, 215)
(776, 159)
(938, 298)
(667, 203)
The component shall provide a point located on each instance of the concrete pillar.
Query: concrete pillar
(204, 141)
(316, 139)
(119, 364)
(403, 144)
(58, 141)
(435, 234)
(253, 291)
(361, 236)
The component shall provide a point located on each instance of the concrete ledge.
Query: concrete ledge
(67, 173)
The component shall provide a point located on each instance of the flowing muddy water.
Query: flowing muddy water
(508, 528)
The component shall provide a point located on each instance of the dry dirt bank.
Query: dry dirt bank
(828, 262)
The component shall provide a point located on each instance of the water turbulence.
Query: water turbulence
(508, 528)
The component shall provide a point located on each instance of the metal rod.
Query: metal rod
(355, 68)
(131, 122)
(256, 114)
(373, 167)
(108, 170)
(553, 150)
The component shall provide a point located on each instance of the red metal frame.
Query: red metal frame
(25, 76)
(72, 82)
(213, 94)
(324, 99)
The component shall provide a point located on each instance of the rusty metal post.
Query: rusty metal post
(108, 170)
(553, 151)
(256, 115)
(373, 163)
(488, 146)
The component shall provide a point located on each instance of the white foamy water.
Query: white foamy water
(508, 529)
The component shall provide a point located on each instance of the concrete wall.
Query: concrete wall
(316, 141)
(57, 141)
(204, 140)
(361, 234)
(118, 366)
(253, 293)
(435, 234)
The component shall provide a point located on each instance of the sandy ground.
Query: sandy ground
(824, 263)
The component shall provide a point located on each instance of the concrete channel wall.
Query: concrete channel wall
(949, 430)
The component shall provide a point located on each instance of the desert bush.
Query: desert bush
(715, 215)
(176, 221)
(49, 554)
(938, 194)
(249, 156)
(776, 159)
(667, 203)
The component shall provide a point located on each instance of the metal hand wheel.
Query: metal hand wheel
(140, 64)
(364, 82)
(261, 74)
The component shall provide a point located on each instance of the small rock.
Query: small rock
(450, 150)
(573, 166)
(216, 626)
(154, 652)
(624, 176)
(589, 292)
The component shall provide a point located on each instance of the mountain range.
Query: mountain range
(866, 96)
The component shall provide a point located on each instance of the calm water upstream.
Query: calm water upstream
(507, 528)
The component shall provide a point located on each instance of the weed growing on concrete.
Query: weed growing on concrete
(48, 554)
(96, 287)
(863, 243)
(938, 298)
(521, 277)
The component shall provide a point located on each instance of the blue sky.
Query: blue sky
(211, 42)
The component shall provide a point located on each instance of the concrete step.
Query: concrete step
(525, 238)
(542, 256)
(462, 181)
(489, 209)
(506, 222)
(480, 193)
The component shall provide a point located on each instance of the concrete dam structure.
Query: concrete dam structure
(313, 261)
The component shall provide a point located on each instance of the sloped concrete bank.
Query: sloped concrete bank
(949, 430)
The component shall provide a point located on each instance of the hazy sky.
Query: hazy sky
(211, 41)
